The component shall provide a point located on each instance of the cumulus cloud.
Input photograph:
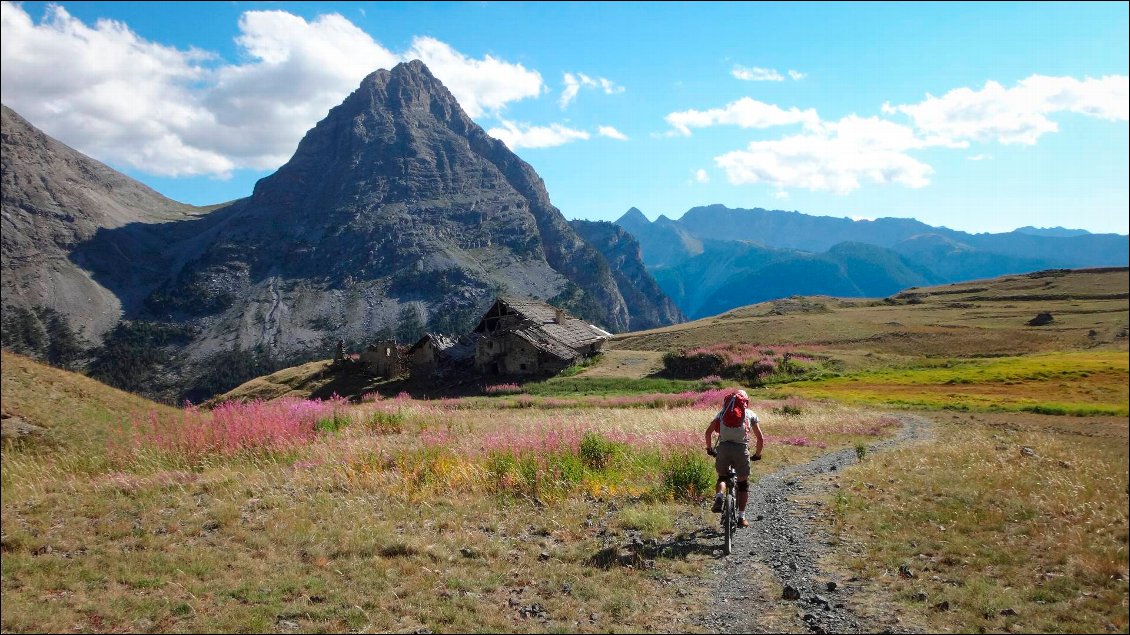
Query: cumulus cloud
(701, 176)
(611, 133)
(744, 113)
(842, 156)
(797, 75)
(1017, 115)
(836, 157)
(481, 86)
(521, 135)
(756, 74)
(575, 82)
(112, 94)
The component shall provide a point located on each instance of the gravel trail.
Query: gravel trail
(783, 537)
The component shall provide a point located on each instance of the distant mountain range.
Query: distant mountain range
(397, 213)
(715, 258)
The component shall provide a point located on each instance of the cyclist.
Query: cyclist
(733, 425)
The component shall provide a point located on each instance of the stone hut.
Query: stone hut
(426, 355)
(438, 354)
(522, 336)
(383, 359)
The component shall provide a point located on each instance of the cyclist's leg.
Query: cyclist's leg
(720, 468)
(741, 466)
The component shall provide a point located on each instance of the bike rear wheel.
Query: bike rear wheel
(728, 523)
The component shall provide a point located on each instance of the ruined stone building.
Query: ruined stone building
(438, 355)
(522, 336)
(383, 359)
(516, 336)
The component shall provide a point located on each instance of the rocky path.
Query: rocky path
(784, 538)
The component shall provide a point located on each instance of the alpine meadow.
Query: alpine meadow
(329, 317)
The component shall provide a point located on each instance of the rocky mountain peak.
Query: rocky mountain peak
(633, 217)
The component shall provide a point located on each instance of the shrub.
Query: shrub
(712, 381)
(386, 422)
(694, 364)
(333, 422)
(567, 469)
(688, 475)
(598, 452)
(790, 408)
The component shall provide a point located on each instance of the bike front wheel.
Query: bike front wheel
(728, 524)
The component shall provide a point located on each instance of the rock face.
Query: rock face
(395, 198)
(55, 199)
(395, 209)
(648, 306)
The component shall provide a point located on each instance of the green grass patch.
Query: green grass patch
(607, 386)
(1079, 384)
(652, 521)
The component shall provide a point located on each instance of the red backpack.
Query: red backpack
(733, 410)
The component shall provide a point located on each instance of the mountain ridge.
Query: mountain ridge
(397, 213)
(803, 248)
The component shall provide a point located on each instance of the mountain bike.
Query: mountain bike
(729, 509)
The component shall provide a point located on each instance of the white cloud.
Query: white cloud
(797, 75)
(574, 83)
(1019, 114)
(836, 157)
(116, 96)
(756, 74)
(521, 135)
(781, 195)
(611, 133)
(701, 176)
(842, 156)
(745, 113)
(481, 86)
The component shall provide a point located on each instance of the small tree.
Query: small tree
(411, 325)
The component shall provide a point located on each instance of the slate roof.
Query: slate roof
(544, 342)
(439, 341)
(541, 319)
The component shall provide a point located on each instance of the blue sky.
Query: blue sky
(979, 117)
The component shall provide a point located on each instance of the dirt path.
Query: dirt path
(783, 538)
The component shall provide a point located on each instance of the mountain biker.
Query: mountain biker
(733, 425)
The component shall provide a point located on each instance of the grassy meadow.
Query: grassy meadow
(1005, 523)
(579, 503)
(484, 514)
(1075, 383)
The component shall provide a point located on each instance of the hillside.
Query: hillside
(42, 404)
(971, 319)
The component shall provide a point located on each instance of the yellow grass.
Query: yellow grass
(979, 318)
(1082, 383)
(992, 528)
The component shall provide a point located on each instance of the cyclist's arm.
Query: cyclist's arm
(758, 435)
(712, 428)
